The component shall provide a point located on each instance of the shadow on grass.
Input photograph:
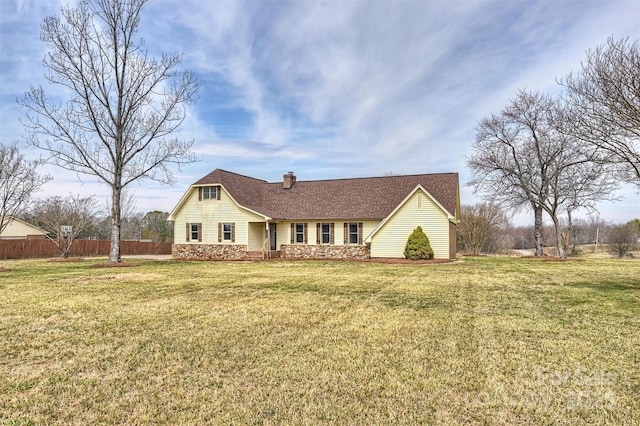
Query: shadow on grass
(608, 285)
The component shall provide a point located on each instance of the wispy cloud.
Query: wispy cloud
(343, 88)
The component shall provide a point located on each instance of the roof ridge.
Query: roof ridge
(231, 173)
(370, 177)
(241, 175)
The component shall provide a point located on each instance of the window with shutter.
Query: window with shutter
(353, 233)
(325, 234)
(194, 232)
(300, 237)
(226, 232)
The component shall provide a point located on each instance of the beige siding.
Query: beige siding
(18, 229)
(284, 230)
(256, 236)
(210, 213)
(419, 210)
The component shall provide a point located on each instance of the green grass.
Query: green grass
(482, 341)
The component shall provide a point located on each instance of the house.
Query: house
(18, 229)
(225, 215)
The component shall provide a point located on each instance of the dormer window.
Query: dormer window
(209, 193)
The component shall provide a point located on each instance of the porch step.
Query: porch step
(253, 255)
(258, 255)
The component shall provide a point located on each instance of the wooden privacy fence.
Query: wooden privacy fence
(41, 248)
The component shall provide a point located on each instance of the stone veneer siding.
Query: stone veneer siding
(208, 251)
(307, 251)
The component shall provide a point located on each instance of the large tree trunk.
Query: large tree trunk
(114, 252)
(560, 246)
(538, 230)
(566, 241)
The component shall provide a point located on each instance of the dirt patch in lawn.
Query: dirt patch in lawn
(4, 269)
(394, 261)
(553, 258)
(386, 260)
(65, 259)
(114, 265)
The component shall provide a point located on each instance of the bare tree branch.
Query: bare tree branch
(19, 180)
(605, 97)
(123, 105)
(522, 157)
(54, 214)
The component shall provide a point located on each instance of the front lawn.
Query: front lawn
(480, 341)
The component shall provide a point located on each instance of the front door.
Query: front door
(272, 235)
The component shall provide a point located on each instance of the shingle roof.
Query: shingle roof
(357, 198)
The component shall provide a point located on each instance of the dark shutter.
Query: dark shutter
(188, 232)
(359, 232)
(318, 233)
(199, 193)
(233, 232)
(218, 191)
(219, 232)
(293, 233)
(346, 233)
(331, 233)
(200, 232)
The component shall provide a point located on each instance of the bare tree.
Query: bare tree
(480, 224)
(605, 95)
(579, 179)
(19, 180)
(64, 218)
(521, 157)
(123, 105)
(622, 240)
(511, 157)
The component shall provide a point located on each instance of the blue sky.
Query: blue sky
(333, 89)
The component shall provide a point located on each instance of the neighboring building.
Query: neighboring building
(18, 229)
(225, 215)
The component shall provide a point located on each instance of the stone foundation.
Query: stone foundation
(305, 251)
(208, 251)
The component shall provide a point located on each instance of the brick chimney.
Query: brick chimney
(289, 180)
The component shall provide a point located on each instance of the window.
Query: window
(208, 193)
(226, 232)
(298, 233)
(194, 232)
(353, 233)
(324, 233)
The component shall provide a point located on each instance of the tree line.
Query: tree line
(485, 228)
(556, 154)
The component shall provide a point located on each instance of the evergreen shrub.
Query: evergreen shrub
(418, 246)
